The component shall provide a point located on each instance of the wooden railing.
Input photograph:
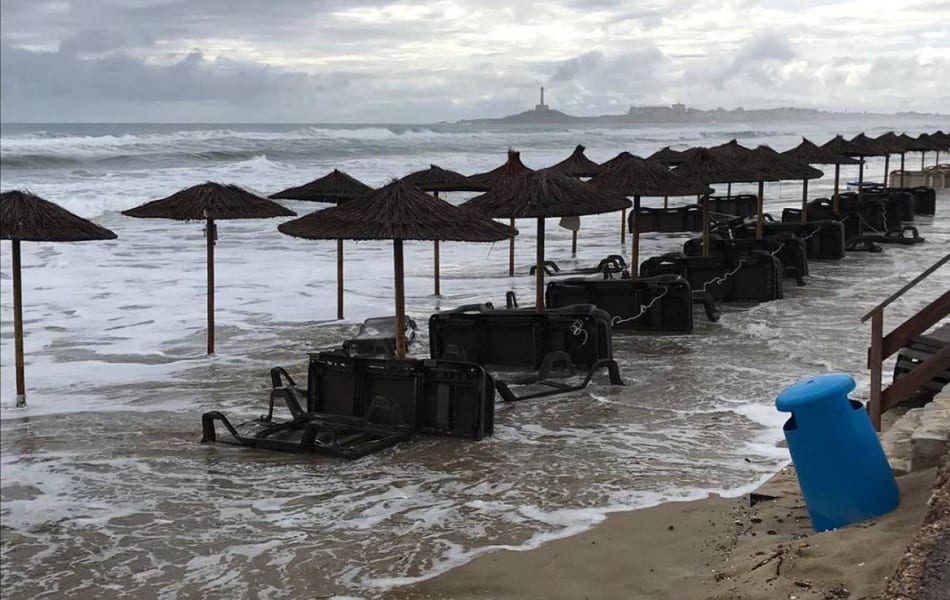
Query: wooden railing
(882, 347)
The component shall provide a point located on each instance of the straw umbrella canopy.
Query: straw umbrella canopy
(397, 211)
(736, 151)
(709, 167)
(670, 157)
(541, 195)
(334, 187)
(792, 169)
(812, 154)
(913, 145)
(896, 145)
(500, 177)
(635, 176)
(577, 165)
(25, 217)
(934, 146)
(210, 202)
(435, 179)
(839, 145)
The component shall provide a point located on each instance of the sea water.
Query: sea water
(106, 490)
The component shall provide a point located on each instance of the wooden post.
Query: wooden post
(511, 252)
(635, 242)
(922, 154)
(728, 191)
(835, 201)
(804, 201)
(875, 360)
(573, 244)
(437, 267)
(339, 279)
(759, 221)
(210, 231)
(937, 159)
(400, 289)
(666, 201)
(887, 167)
(18, 326)
(902, 170)
(623, 226)
(861, 178)
(705, 201)
(539, 270)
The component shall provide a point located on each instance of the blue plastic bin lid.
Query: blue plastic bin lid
(814, 389)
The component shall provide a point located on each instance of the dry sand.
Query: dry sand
(714, 548)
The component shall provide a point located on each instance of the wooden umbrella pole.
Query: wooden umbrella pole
(437, 266)
(339, 279)
(210, 235)
(937, 159)
(511, 252)
(861, 178)
(666, 201)
(539, 270)
(902, 170)
(18, 326)
(759, 221)
(834, 199)
(573, 243)
(635, 242)
(804, 201)
(623, 226)
(887, 167)
(728, 191)
(922, 155)
(400, 300)
(705, 201)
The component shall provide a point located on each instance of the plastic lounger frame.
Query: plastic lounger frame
(556, 365)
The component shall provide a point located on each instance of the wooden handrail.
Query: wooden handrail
(880, 307)
(926, 318)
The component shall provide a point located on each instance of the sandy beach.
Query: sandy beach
(715, 548)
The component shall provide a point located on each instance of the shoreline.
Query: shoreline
(716, 547)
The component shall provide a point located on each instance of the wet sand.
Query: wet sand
(716, 548)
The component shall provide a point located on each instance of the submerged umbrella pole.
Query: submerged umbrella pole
(705, 202)
(400, 289)
(759, 220)
(210, 234)
(666, 201)
(436, 266)
(539, 270)
(18, 326)
(834, 199)
(339, 279)
(902, 170)
(574, 243)
(804, 201)
(511, 253)
(861, 179)
(728, 191)
(635, 242)
(887, 167)
(623, 226)
(923, 153)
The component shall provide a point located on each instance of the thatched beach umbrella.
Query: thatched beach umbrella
(862, 146)
(635, 176)
(737, 152)
(541, 195)
(25, 217)
(499, 177)
(812, 154)
(577, 165)
(891, 143)
(912, 144)
(210, 202)
(670, 157)
(710, 167)
(397, 212)
(436, 179)
(839, 145)
(334, 187)
(790, 168)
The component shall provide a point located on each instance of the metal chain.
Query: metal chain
(643, 309)
(723, 278)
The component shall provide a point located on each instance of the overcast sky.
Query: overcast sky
(427, 61)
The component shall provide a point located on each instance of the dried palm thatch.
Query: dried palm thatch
(812, 154)
(543, 194)
(397, 211)
(941, 139)
(210, 201)
(839, 145)
(862, 145)
(784, 167)
(500, 176)
(914, 144)
(618, 160)
(29, 218)
(712, 167)
(334, 187)
(633, 176)
(577, 165)
(732, 149)
(437, 179)
(671, 157)
(892, 142)
(25, 217)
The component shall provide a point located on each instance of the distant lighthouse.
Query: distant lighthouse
(542, 106)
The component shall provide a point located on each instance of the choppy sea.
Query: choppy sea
(106, 491)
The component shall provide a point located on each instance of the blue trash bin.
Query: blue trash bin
(842, 470)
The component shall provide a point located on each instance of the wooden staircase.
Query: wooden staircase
(924, 360)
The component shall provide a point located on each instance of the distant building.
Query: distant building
(541, 106)
(657, 113)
